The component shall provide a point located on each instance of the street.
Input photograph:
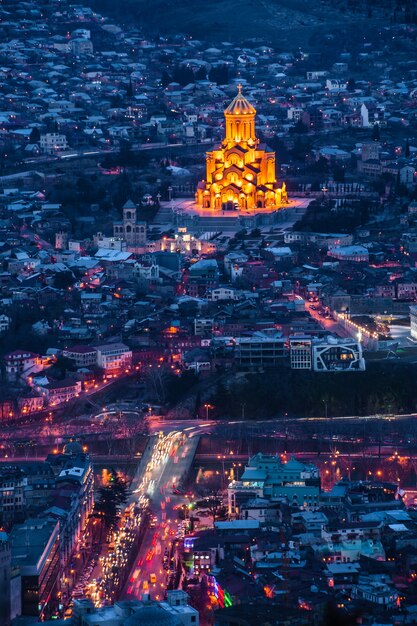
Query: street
(157, 554)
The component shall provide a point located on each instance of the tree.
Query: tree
(166, 79)
(201, 73)
(299, 128)
(35, 135)
(321, 166)
(213, 506)
(125, 152)
(197, 403)
(219, 74)
(63, 280)
(376, 135)
(130, 91)
(111, 499)
(156, 380)
(339, 173)
(351, 85)
(183, 75)
(62, 365)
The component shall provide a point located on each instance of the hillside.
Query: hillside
(282, 22)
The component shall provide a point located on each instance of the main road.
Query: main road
(169, 462)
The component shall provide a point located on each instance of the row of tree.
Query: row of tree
(385, 387)
(184, 75)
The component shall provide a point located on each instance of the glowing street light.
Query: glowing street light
(208, 407)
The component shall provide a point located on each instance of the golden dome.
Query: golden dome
(239, 105)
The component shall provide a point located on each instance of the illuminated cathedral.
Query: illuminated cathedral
(240, 172)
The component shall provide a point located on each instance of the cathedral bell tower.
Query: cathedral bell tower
(240, 121)
(240, 172)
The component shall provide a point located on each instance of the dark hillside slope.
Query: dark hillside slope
(282, 22)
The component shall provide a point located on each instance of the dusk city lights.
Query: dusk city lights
(208, 312)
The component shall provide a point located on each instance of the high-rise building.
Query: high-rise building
(240, 172)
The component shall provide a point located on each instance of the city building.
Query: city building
(113, 356)
(355, 254)
(413, 321)
(13, 483)
(21, 363)
(329, 354)
(301, 352)
(262, 349)
(130, 229)
(61, 240)
(59, 391)
(347, 542)
(337, 355)
(53, 142)
(5, 579)
(110, 243)
(240, 172)
(266, 476)
(4, 323)
(75, 494)
(377, 592)
(203, 275)
(35, 550)
(175, 611)
(222, 293)
(82, 356)
(183, 242)
(80, 46)
(203, 326)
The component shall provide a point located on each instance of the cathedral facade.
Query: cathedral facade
(240, 172)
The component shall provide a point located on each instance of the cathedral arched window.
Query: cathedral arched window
(128, 215)
(128, 228)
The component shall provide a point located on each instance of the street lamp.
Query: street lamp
(208, 407)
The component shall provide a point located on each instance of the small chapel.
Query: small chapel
(240, 172)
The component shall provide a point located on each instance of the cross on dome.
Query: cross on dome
(240, 105)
